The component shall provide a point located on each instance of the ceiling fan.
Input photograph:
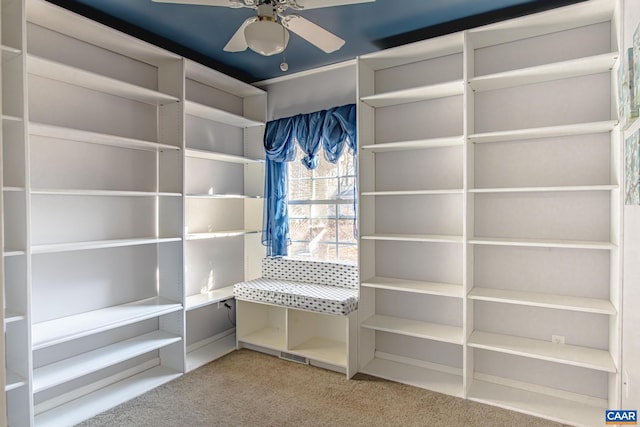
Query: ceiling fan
(267, 32)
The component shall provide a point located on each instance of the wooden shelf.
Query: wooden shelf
(323, 350)
(418, 144)
(414, 286)
(105, 398)
(566, 188)
(412, 192)
(423, 93)
(219, 234)
(544, 132)
(13, 380)
(426, 238)
(86, 79)
(414, 328)
(544, 405)
(212, 297)
(48, 376)
(56, 331)
(541, 243)
(543, 73)
(68, 134)
(536, 299)
(417, 376)
(270, 338)
(217, 115)
(583, 357)
(222, 157)
(210, 351)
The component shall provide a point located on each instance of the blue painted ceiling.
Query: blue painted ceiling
(200, 32)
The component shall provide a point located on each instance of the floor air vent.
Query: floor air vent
(294, 358)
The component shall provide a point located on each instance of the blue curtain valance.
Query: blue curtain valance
(330, 129)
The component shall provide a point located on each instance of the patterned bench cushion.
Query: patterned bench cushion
(305, 296)
(314, 272)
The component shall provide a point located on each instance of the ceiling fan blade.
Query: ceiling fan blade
(316, 4)
(237, 43)
(313, 33)
(226, 3)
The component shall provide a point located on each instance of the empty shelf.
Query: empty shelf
(544, 132)
(68, 328)
(537, 299)
(584, 357)
(218, 115)
(422, 93)
(211, 297)
(219, 234)
(568, 244)
(211, 351)
(414, 286)
(427, 238)
(419, 144)
(222, 157)
(414, 328)
(98, 244)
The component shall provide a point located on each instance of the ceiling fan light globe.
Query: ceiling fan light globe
(266, 37)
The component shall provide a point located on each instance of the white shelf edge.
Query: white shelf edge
(222, 157)
(8, 118)
(56, 331)
(9, 50)
(412, 374)
(12, 189)
(414, 286)
(210, 350)
(11, 316)
(427, 238)
(546, 405)
(583, 357)
(51, 375)
(422, 93)
(567, 188)
(414, 328)
(105, 398)
(12, 252)
(219, 234)
(547, 72)
(418, 144)
(69, 134)
(207, 298)
(544, 132)
(106, 193)
(542, 243)
(13, 380)
(537, 299)
(413, 192)
(220, 196)
(98, 244)
(78, 77)
(218, 115)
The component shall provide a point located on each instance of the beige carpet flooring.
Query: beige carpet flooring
(248, 388)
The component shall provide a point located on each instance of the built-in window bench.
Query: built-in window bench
(301, 310)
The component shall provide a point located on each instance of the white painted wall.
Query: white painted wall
(303, 93)
(631, 261)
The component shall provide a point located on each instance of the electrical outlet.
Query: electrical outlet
(557, 339)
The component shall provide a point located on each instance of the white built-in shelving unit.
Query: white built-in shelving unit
(224, 178)
(490, 213)
(103, 179)
(15, 210)
(120, 239)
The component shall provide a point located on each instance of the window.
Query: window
(321, 209)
